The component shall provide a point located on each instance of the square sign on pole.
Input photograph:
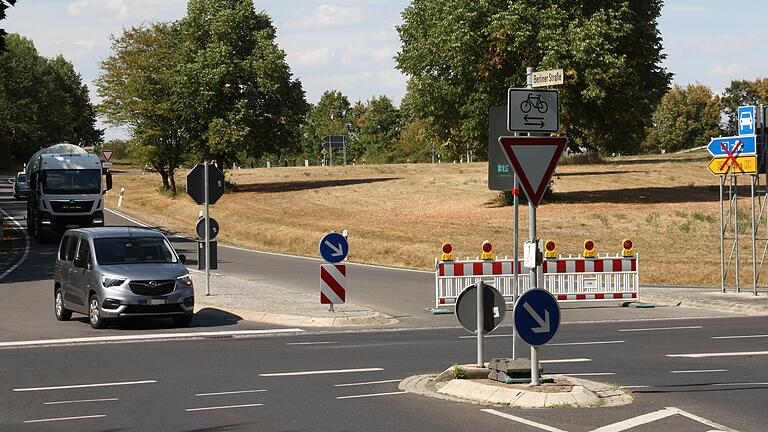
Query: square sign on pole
(501, 177)
(533, 110)
(746, 120)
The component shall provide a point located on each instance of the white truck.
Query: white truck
(66, 191)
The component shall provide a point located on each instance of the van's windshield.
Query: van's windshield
(22, 178)
(87, 181)
(133, 250)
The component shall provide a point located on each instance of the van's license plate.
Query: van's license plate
(156, 301)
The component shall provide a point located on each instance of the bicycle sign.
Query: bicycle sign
(533, 110)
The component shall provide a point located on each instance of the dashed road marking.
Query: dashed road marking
(231, 392)
(573, 360)
(589, 374)
(222, 407)
(367, 383)
(586, 343)
(741, 337)
(77, 386)
(312, 343)
(372, 395)
(722, 354)
(698, 371)
(81, 401)
(320, 372)
(65, 418)
(660, 328)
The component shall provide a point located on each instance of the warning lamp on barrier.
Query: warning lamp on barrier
(487, 251)
(589, 249)
(550, 250)
(447, 254)
(628, 249)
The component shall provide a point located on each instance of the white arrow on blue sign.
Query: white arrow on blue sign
(536, 316)
(746, 120)
(744, 145)
(334, 247)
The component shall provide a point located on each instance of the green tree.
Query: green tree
(331, 116)
(378, 127)
(237, 92)
(139, 86)
(740, 93)
(4, 4)
(462, 55)
(686, 117)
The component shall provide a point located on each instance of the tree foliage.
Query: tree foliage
(686, 117)
(331, 116)
(740, 93)
(4, 4)
(462, 55)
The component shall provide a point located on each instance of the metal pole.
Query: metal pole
(722, 235)
(736, 226)
(330, 154)
(515, 258)
(754, 240)
(207, 234)
(480, 324)
(344, 142)
(533, 275)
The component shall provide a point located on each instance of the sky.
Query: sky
(348, 45)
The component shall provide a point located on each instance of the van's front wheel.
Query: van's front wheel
(62, 313)
(94, 313)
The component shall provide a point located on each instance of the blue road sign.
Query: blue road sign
(746, 120)
(536, 316)
(334, 247)
(744, 145)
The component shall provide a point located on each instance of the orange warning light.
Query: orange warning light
(550, 250)
(487, 251)
(589, 249)
(628, 249)
(447, 254)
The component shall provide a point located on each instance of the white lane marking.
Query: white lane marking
(589, 374)
(488, 336)
(586, 343)
(522, 420)
(723, 354)
(145, 337)
(740, 384)
(740, 337)
(26, 245)
(310, 343)
(659, 328)
(573, 360)
(658, 415)
(80, 401)
(372, 395)
(698, 371)
(634, 386)
(702, 420)
(366, 383)
(124, 216)
(320, 372)
(65, 418)
(76, 386)
(222, 407)
(230, 392)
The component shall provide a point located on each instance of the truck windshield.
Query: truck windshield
(133, 250)
(22, 178)
(72, 181)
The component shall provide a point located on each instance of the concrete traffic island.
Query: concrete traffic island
(558, 391)
(261, 302)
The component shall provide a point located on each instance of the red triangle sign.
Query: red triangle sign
(534, 160)
(106, 155)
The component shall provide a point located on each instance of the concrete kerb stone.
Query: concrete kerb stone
(707, 298)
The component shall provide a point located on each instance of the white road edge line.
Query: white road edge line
(320, 372)
(740, 383)
(372, 395)
(81, 401)
(26, 245)
(489, 336)
(310, 343)
(522, 420)
(230, 392)
(145, 337)
(77, 386)
(366, 383)
(573, 360)
(697, 371)
(659, 328)
(634, 386)
(723, 354)
(222, 407)
(741, 337)
(65, 418)
(585, 343)
(589, 374)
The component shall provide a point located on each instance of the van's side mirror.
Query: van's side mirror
(183, 258)
(79, 262)
(109, 181)
(12, 180)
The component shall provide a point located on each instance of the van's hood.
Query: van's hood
(145, 271)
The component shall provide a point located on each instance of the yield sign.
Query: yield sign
(534, 160)
(106, 155)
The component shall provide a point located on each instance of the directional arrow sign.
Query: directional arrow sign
(738, 165)
(743, 145)
(534, 160)
(334, 247)
(536, 316)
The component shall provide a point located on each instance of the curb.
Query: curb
(377, 319)
(723, 305)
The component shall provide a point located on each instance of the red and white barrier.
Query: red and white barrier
(333, 283)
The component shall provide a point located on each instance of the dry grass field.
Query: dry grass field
(399, 215)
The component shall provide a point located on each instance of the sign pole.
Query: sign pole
(207, 234)
(722, 235)
(480, 324)
(515, 257)
(736, 226)
(345, 150)
(754, 241)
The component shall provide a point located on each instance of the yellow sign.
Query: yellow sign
(724, 165)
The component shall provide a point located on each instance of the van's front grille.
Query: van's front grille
(153, 288)
(71, 206)
(152, 309)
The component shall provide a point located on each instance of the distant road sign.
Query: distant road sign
(335, 141)
(213, 228)
(548, 78)
(744, 145)
(536, 316)
(196, 184)
(334, 247)
(106, 155)
(493, 304)
(333, 283)
(533, 110)
(534, 159)
(739, 165)
(106, 165)
(746, 120)
(501, 177)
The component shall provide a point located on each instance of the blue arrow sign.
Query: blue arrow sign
(746, 120)
(536, 316)
(334, 247)
(744, 145)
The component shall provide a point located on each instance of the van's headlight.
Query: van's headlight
(109, 281)
(185, 280)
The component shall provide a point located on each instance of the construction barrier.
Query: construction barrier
(568, 279)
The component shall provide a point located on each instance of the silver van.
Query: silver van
(115, 272)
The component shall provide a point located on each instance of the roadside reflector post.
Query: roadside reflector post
(120, 199)
(589, 249)
(487, 251)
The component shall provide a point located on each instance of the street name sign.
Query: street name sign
(548, 78)
(746, 120)
(534, 159)
(743, 145)
(494, 308)
(500, 174)
(737, 165)
(196, 184)
(333, 283)
(334, 247)
(536, 316)
(533, 110)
